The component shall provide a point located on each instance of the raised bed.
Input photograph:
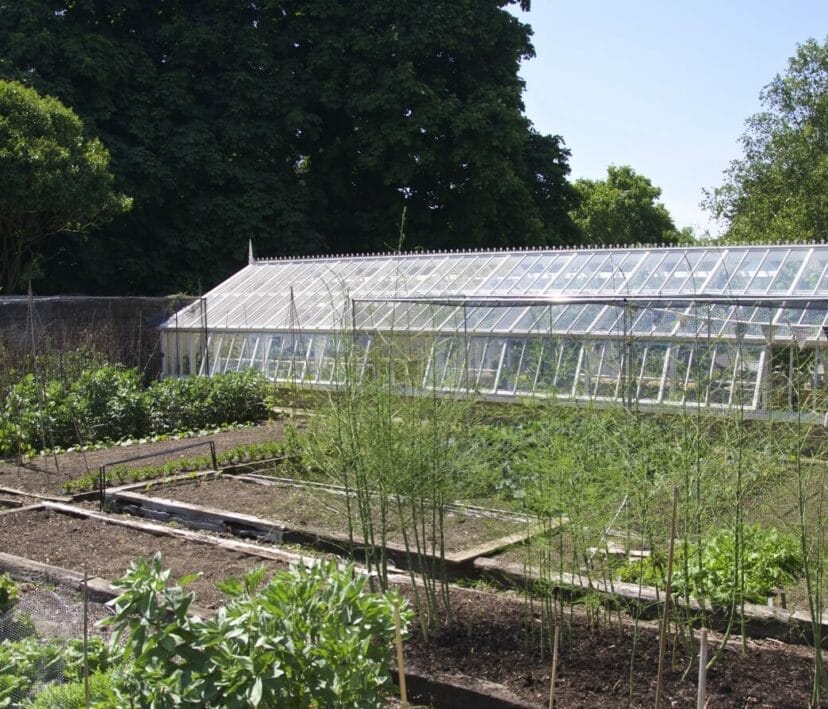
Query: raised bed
(286, 511)
(36, 540)
(486, 658)
(647, 601)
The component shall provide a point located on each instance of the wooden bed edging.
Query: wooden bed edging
(213, 519)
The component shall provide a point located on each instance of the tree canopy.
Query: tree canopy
(623, 209)
(307, 126)
(53, 179)
(778, 191)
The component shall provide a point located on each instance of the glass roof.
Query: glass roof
(315, 294)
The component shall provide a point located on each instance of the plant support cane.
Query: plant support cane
(400, 665)
(665, 619)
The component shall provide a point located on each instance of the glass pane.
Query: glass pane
(567, 364)
(590, 268)
(767, 271)
(608, 380)
(746, 270)
(680, 360)
(532, 358)
(544, 282)
(649, 266)
(787, 272)
(661, 274)
(512, 362)
(812, 276)
(686, 263)
(568, 273)
(701, 272)
(725, 271)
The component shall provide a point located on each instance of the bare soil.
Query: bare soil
(605, 661)
(319, 509)
(608, 664)
(107, 550)
(493, 636)
(46, 475)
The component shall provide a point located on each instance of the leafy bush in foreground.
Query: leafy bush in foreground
(309, 637)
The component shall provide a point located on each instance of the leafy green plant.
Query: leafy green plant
(121, 475)
(72, 695)
(109, 403)
(771, 560)
(308, 637)
(8, 593)
(28, 663)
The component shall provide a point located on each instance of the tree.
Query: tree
(53, 178)
(778, 191)
(623, 209)
(305, 125)
(418, 105)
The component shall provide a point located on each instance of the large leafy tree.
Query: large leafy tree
(778, 191)
(53, 178)
(418, 105)
(623, 209)
(194, 101)
(306, 125)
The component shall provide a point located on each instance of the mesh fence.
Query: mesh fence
(42, 640)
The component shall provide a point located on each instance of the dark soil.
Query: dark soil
(46, 475)
(70, 542)
(490, 638)
(318, 509)
(493, 636)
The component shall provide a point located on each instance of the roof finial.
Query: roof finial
(250, 259)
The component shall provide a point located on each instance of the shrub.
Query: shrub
(309, 637)
(25, 664)
(109, 404)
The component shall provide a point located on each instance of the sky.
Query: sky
(664, 87)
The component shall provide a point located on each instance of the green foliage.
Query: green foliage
(309, 637)
(53, 178)
(200, 402)
(770, 560)
(778, 191)
(306, 130)
(72, 695)
(623, 209)
(26, 664)
(108, 403)
(8, 593)
(121, 475)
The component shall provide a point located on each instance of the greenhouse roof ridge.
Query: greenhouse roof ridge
(585, 248)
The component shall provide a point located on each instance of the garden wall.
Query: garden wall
(124, 329)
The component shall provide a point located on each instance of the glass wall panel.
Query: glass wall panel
(512, 363)
(608, 380)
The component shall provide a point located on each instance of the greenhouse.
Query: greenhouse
(719, 327)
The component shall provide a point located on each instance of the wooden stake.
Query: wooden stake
(86, 637)
(665, 621)
(400, 664)
(555, 643)
(702, 691)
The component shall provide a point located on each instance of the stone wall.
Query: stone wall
(125, 330)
